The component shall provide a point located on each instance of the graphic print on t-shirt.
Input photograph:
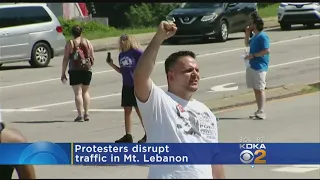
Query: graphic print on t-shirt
(195, 123)
(125, 62)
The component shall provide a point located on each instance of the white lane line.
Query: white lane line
(160, 62)
(22, 110)
(162, 86)
(105, 110)
(271, 66)
(297, 168)
(273, 43)
(46, 80)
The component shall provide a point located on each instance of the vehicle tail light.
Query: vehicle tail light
(59, 29)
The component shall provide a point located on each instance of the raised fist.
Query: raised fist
(167, 29)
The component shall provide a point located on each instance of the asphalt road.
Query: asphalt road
(37, 103)
(294, 59)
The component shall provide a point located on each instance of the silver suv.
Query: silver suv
(306, 13)
(29, 32)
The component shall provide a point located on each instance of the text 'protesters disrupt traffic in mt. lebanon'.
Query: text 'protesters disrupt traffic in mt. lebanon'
(124, 154)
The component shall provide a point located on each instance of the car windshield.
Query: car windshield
(200, 5)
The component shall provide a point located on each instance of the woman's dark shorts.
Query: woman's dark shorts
(80, 77)
(128, 99)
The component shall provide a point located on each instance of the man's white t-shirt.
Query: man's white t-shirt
(169, 119)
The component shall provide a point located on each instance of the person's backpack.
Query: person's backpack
(81, 56)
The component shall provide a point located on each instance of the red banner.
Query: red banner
(84, 9)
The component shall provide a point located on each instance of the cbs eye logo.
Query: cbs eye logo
(247, 156)
(43, 153)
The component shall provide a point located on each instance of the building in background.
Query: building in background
(76, 11)
(69, 10)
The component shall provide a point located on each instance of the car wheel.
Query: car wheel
(284, 26)
(40, 55)
(224, 32)
(0, 65)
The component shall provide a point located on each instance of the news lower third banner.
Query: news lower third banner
(47, 153)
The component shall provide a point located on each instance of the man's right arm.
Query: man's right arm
(142, 73)
(246, 40)
(143, 70)
(247, 36)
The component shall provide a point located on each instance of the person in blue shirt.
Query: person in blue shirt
(258, 58)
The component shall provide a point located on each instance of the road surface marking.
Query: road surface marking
(243, 48)
(219, 111)
(22, 110)
(46, 80)
(223, 87)
(271, 66)
(105, 110)
(202, 79)
(270, 101)
(92, 98)
(297, 168)
(160, 62)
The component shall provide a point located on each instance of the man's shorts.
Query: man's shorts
(256, 79)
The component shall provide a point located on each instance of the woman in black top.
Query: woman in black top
(6, 171)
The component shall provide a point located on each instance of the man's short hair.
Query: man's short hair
(76, 31)
(259, 23)
(254, 16)
(174, 57)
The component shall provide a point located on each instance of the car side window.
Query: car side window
(33, 15)
(18, 16)
(8, 17)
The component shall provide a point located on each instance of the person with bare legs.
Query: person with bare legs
(79, 55)
(130, 52)
(10, 135)
(259, 62)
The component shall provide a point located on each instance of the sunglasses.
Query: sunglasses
(124, 37)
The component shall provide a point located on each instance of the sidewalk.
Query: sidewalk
(112, 42)
(144, 39)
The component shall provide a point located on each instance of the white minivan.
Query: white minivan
(29, 32)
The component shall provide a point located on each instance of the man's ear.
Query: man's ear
(170, 76)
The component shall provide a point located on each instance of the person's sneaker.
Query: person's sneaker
(261, 115)
(125, 139)
(254, 114)
(78, 119)
(143, 140)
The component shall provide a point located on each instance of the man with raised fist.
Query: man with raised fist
(173, 116)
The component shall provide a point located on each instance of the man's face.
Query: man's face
(253, 26)
(184, 75)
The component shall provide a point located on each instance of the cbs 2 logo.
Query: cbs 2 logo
(246, 156)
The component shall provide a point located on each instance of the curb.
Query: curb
(113, 46)
(272, 94)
